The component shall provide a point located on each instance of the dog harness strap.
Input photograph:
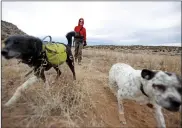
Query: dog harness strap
(141, 88)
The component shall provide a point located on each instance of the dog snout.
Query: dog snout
(4, 52)
(175, 102)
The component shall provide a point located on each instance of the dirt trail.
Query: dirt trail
(105, 101)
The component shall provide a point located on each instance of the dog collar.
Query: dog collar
(141, 88)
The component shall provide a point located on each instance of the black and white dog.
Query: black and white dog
(159, 88)
(28, 49)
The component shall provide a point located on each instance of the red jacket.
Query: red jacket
(83, 31)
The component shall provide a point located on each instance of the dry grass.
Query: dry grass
(86, 102)
(157, 62)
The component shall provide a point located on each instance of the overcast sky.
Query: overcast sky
(118, 23)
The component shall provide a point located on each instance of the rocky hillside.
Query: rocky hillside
(8, 29)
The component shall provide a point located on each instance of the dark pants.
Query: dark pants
(78, 49)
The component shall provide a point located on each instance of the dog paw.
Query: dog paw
(122, 118)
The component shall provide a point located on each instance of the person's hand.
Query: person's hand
(84, 43)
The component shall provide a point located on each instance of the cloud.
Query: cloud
(114, 22)
(129, 40)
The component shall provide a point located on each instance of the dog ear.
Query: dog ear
(147, 74)
(36, 45)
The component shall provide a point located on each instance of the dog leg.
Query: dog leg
(42, 76)
(121, 109)
(70, 63)
(58, 72)
(21, 89)
(46, 84)
(113, 87)
(159, 117)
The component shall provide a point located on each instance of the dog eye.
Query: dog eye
(159, 87)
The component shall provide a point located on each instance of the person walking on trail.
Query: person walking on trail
(80, 40)
(69, 36)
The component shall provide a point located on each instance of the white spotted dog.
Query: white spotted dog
(159, 88)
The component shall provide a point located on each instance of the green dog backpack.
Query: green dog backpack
(55, 52)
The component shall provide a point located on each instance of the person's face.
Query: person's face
(81, 22)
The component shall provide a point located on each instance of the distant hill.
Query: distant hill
(8, 29)
(173, 50)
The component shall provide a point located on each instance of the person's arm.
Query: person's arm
(75, 29)
(84, 34)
